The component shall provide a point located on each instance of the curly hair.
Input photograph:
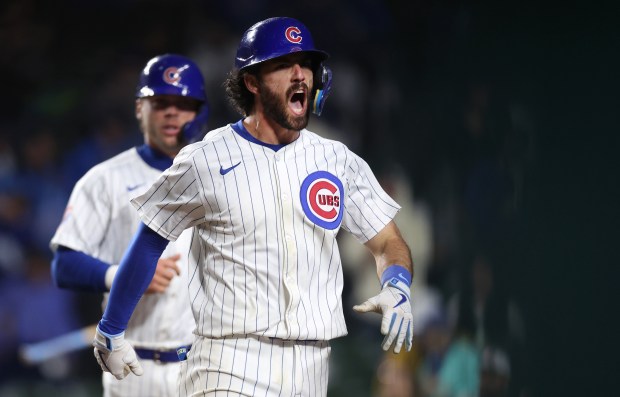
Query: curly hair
(238, 95)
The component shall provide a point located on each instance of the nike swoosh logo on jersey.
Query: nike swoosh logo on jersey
(224, 171)
(130, 188)
(403, 299)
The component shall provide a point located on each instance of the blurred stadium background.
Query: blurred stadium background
(490, 122)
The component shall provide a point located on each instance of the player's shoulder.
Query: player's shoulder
(313, 138)
(208, 141)
(129, 156)
(113, 165)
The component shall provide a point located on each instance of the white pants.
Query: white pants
(158, 380)
(255, 366)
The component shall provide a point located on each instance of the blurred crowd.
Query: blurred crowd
(423, 92)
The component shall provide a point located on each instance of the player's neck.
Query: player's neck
(268, 131)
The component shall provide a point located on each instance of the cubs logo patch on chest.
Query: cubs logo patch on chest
(321, 196)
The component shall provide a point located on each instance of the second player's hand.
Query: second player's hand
(394, 302)
(167, 269)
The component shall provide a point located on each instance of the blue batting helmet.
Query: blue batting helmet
(275, 37)
(171, 74)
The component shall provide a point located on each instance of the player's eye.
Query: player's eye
(185, 104)
(282, 65)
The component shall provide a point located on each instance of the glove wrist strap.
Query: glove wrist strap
(108, 341)
(394, 274)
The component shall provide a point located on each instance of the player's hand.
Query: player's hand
(167, 269)
(115, 355)
(394, 302)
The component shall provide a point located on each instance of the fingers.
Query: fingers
(402, 332)
(169, 266)
(134, 365)
(369, 306)
(364, 307)
(136, 368)
(409, 336)
(387, 322)
(157, 285)
(121, 375)
(387, 328)
(167, 269)
(104, 358)
(100, 360)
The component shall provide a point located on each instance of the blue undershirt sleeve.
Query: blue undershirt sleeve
(78, 271)
(134, 274)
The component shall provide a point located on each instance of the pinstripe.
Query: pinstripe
(101, 223)
(259, 264)
(283, 368)
(254, 223)
(309, 261)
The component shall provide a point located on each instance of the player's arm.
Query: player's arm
(395, 270)
(134, 274)
(79, 271)
(389, 248)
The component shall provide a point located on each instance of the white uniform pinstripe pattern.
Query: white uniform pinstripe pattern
(101, 222)
(256, 366)
(259, 265)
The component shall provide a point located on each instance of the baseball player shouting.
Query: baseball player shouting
(100, 221)
(265, 199)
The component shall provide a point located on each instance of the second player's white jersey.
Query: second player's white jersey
(264, 258)
(101, 222)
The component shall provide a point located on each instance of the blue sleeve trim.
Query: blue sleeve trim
(134, 274)
(398, 272)
(78, 271)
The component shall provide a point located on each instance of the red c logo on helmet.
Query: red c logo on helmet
(293, 34)
(171, 75)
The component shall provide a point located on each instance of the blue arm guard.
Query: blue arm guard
(78, 271)
(135, 273)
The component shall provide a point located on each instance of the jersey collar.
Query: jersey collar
(240, 129)
(154, 158)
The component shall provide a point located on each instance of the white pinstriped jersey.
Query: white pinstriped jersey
(264, 258)
(101, 222)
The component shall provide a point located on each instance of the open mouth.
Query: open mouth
(297, 101)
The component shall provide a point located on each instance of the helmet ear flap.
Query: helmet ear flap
(322, 88)
(195, 130)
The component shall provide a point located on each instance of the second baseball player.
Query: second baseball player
(99, 223)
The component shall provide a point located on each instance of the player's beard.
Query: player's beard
(277, 109)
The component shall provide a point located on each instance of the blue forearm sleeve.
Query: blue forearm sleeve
(78, 271)
(134, 274)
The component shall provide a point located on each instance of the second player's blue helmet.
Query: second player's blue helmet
(171, 74)
(275, 37)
